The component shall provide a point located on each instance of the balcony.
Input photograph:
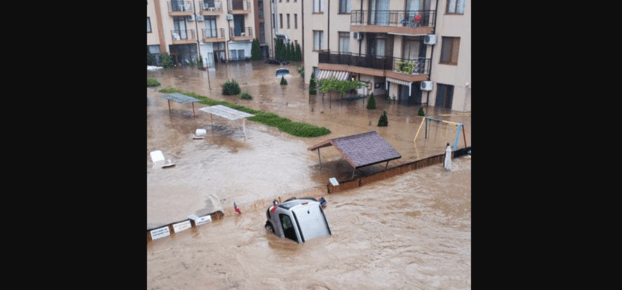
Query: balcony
(183, 36)
(244, 33)
(211, 8)
(393, 21)
(214, 35)
(410, 70)
(180, 8)
(239, 7)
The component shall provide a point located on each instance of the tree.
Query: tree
(383, 121)
(283, 81)
(256, 50)
(312, 89)
(421, 113)
(298, 56)
(371, 104)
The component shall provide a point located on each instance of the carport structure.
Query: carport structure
(179, 98)
(229, 114)
(360, 150)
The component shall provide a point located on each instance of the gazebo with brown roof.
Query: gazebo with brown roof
(360, 150)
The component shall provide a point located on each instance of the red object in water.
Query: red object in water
(418, 17)
(237, 210)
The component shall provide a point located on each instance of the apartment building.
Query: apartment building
(284, 21)
(260, 27)
(217, 31)
(413, 51)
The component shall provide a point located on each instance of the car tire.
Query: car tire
(269, 227)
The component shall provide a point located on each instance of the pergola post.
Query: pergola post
(169, 107)
(193, 115)
(318, 156)
(244, 127)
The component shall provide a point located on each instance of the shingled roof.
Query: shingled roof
(361, 149)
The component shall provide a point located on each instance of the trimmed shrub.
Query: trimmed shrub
(256, 50)
(312, 84)
(421, 113)
(298, 55)
(231, 88)
(166, 60)
(283, 81)
(371, 104)
(383, 121)
(152, 82)
(246, 96)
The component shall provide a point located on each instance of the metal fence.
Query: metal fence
(213, 33)
(187, 34)
(409, 18)
(180, 6)
(401, 65)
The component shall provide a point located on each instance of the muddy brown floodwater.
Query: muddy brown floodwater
(411, 231)
(213, 172)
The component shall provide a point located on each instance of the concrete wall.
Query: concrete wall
(153, 37)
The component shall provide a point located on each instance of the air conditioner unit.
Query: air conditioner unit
(426, 86)
(229, 16)
(199, 17)
(191, 17)
(430, 39)
(358, 35)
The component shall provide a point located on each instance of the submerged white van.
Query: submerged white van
(297, 219)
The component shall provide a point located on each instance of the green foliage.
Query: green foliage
(152, 82)
(383, 121)
(371, 103)
(301, 71)
(312, 85)
(246, 96)
(230, 88)
(342, 87)
(278, 49)
(200, 62)
(298, 55)
(290, 52)
(166, 60)
(256, 50)
(298, 129)
(283, 81)
(421, 113)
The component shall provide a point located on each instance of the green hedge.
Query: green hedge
(288, 126)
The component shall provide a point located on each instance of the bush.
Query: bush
(383, 121)
(231, 88)
(200, 63)
(312, 88)
(166, 60)
(371, 104)
(256, 50)
(421, 113)
(283, 81)
(152, 82)
(150, 59)
(298, 55)
(246, 96)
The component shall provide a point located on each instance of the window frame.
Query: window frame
(455, 8)
(288, 22)
(321, 37)
(295, 21)
(454, 49)
(149, 22)
(343, 10)
(281, 20)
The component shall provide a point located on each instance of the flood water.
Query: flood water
(223, 167)
(411, 231)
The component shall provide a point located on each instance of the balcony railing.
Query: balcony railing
(243, 5)
(407, 18)
(180, 6)
(214, 33)
(179, 35)
(242, 32)
(211, 6)
(410, 66)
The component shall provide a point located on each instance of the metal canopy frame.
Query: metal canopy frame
(181, 99)
(229, 114)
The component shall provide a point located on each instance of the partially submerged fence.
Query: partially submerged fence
(397, 170)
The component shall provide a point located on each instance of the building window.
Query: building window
(344, 42)
(345, 6)
(318, 6)
(318, 37)
(287, 20)
(273, 21)
(444, 96)
(148, 25)
(449, 50)
(455, 7)
(295, 21)
(281, 19)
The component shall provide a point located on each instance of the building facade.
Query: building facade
(215, 30)
(413, 51)
(284, 21)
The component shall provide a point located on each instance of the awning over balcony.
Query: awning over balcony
(404, 83)
(339, 75)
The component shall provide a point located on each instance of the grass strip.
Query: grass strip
(298, 129)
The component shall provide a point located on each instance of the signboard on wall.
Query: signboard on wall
(160, 233)
(178, 227)
(200, 220)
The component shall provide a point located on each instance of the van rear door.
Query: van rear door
(311, 221)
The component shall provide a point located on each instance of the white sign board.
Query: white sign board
(200, 220)
(181, 226)
(160, 233)
(333, 181)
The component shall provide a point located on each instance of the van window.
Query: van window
(288, 228)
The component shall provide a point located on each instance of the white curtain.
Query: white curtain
(411, 49)
(460, 8)
(383, 15)
(344, 42)
(380, 42)
(210, 27)
(451, 6)
(414, 7)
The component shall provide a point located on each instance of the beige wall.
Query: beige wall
(152, 38)
(284, 7)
